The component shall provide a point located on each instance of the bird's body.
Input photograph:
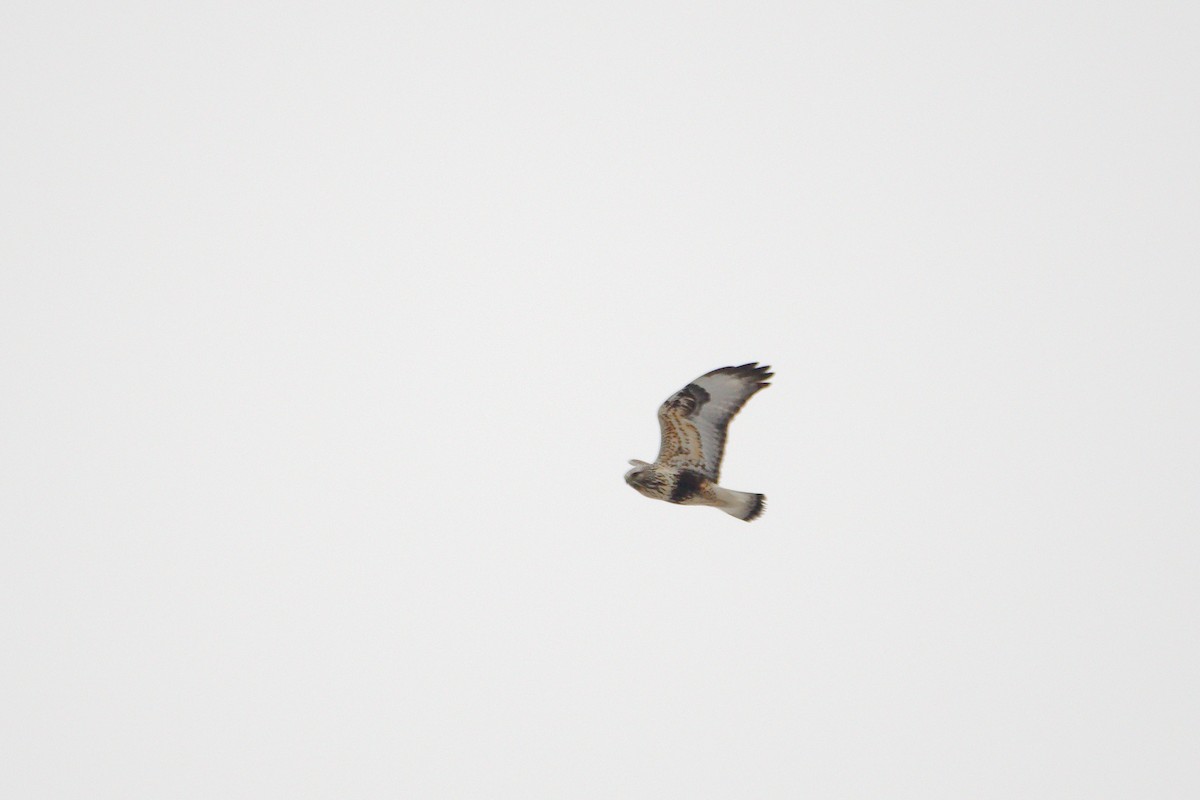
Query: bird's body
(694, 422)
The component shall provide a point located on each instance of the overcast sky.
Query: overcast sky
(328, 329)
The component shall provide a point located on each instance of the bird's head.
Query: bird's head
(642, 477)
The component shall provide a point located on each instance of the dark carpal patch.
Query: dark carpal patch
(690, 400)
(702, 396)
(687, 485)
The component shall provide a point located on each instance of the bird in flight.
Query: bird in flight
(693, 422)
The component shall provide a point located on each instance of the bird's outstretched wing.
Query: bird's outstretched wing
(694, 419)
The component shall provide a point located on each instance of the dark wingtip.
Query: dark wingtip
(750, 371)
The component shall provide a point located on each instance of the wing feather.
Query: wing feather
(694, 421)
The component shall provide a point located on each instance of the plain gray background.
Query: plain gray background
(328, 328)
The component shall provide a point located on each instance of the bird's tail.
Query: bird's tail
(743, 505)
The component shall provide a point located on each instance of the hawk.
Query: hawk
(693, 423)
